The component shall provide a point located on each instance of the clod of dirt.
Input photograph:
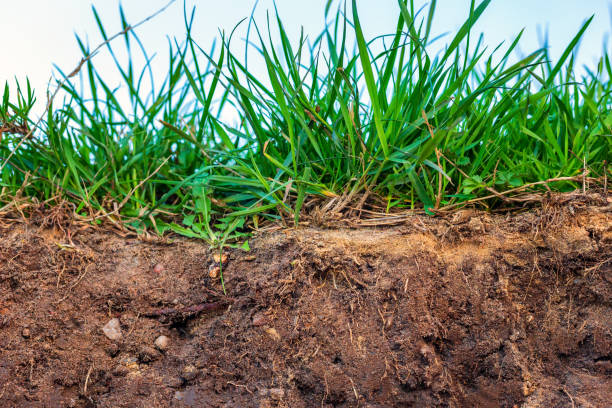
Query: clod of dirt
(25, 333)
(214, 271)
(220, 258)
(148, 354)
(112, 329)
(189, 372)
(162, 342)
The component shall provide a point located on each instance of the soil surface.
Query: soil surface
(468, 310)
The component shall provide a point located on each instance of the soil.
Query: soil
(469, 310)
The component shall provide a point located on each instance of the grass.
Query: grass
(384, 121)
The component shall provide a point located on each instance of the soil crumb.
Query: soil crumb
(469, 310)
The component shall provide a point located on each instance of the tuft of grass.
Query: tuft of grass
(385, 119)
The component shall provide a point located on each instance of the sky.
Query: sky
(40, 34)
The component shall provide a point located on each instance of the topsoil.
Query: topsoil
(469, 310)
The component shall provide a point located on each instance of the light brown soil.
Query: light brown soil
(470, 310)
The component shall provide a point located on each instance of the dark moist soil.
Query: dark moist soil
(469, 310)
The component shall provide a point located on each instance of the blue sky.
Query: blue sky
(39, 33)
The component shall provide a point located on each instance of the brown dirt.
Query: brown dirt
(469, 310)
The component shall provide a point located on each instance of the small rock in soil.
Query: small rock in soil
(162, 343)
(214, 271)
(159, 268)
(189, 373)
(130, 362)
(25, 333)
(220, 258)
(148, 354)
(112, 329)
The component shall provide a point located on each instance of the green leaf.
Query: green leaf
(364, 55)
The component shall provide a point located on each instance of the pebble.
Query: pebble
(220, 258)
(25, 333)
(159, 268)
(214, 271)
(112, 329)
(189, 373)
(162, 342)
(128, 360)
(131, 363)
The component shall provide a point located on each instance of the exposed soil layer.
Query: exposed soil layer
(469, 310)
